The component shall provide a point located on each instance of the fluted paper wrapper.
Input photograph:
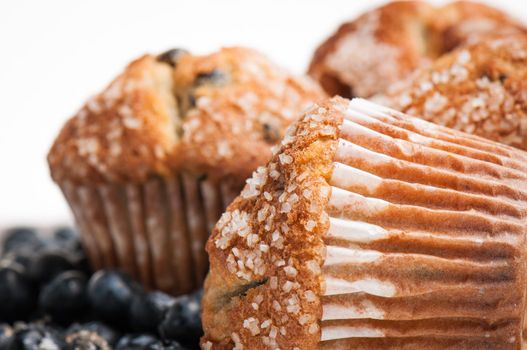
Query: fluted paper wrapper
(426, 246)
(155, 231)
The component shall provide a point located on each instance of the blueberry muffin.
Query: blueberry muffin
(479, 89)
(149, 164)
(384, 45)
(370, 229)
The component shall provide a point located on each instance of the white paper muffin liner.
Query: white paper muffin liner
(156, 231)
(419, 255)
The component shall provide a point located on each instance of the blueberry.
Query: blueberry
(191, 102)
(81, 263)
(148, 310)
(64, 298)
(17, 294)
(215, 76)
(21, 238)
(36, 337)
(86, 340)
(172, 56)
(65, 234)
(67, 238)
(139, 342)
(102, 330)
(22, 259)
(188, 99)
(49, 264)
(182, 322)
(67, 242)
(271, 133)
(110, 294)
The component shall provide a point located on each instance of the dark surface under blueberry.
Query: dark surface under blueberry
(36, 337)
(146, 342)
(111, 336)
(86, 340)
(6, 333)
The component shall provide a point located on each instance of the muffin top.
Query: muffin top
(214, 115)
(367, 55)
(479, 89)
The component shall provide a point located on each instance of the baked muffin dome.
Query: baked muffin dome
(384, 45)
(370, 229)
(217, 113)
(478, 89)
(149, 164)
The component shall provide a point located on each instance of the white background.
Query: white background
(55, 54)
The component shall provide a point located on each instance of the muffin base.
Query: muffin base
(155, 231)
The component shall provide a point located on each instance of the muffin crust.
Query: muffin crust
(370, 229)
(365, 56)
(216, 114)
(477, 89)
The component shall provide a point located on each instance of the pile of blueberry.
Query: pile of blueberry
(50, 300)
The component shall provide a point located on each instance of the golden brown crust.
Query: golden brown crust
(123, 132)
(367, 55)
(465, 22)
(216, 114)
(345, 63)
(478, 89)
(251, 273)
